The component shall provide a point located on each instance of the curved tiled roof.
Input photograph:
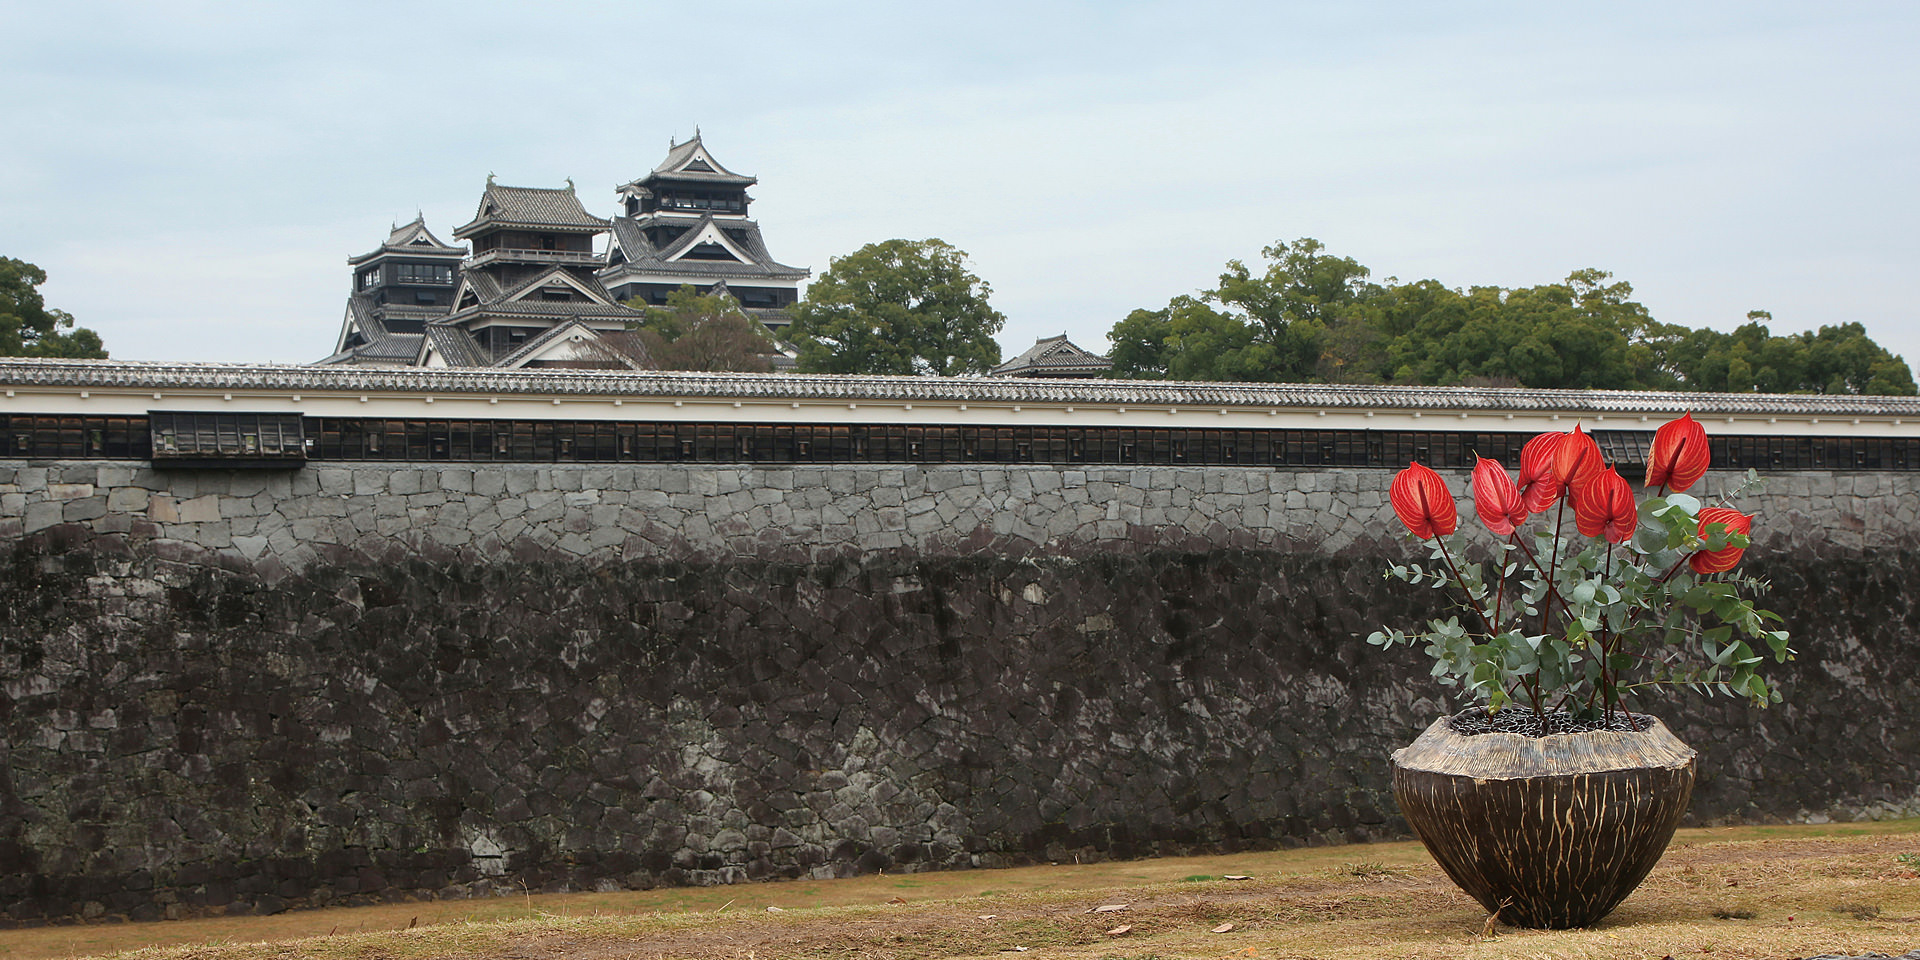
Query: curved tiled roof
(380, 344)
(532, 207)
(164, 375)
(1055, 353)
(643, 257)
(549, 308)
(393, 346)
(414, 239)
(608, 351)
(544, 277)
(680, 154)
(456, 346)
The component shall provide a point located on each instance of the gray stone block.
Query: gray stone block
(108, 476)
(42, 515)
(520, 481)
(69, 491)
(203, 509)
(332, 481)
(369, 481)
(127, 498)
(246, 483)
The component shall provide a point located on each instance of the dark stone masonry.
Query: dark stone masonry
(249, 691)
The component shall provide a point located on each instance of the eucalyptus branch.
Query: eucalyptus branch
(1472, 604)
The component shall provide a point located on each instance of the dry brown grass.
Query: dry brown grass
(1721, 893)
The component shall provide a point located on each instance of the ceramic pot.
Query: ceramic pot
(1547, 831)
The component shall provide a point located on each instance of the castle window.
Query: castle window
(227, 439)
(423, 273)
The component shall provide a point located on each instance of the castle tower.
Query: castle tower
(397, 288)
(686, 222)
(529, 285)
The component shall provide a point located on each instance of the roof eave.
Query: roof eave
(1628, 406)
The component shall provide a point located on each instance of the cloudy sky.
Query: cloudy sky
(193, 175)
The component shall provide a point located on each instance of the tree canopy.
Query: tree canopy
(28, 328)
(696, 331)
(1311, 317)
(900, 306)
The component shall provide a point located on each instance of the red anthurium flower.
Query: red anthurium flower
(1605, 507)
(1679, 457)
(1495, 497)
(1725, 558)
(1539, 488)
(1423, 502)
(1576, 462)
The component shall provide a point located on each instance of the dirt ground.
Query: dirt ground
(1733, 893)
(1321, 916)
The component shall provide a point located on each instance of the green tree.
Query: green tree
(696, 331)
(28, 328)
(1142, 345)
(1584, 332)
(1309, 316)
(1301, 317)
(1303, 302)
(1832, 359)
(1189, 340)
(901, 307)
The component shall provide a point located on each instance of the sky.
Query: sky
(193, 176)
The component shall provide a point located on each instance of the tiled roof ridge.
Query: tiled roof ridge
(485, 286)
(651, 257)
(589, 281)
(454, 343)
(393, 346)
(678, 154)
(553, 309)
(685, 240)
(707, 268)
(1055, 351)
(184, 375)
(530, 206)
(631, 238)
(404, 236)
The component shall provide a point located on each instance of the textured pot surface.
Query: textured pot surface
(1547, 831)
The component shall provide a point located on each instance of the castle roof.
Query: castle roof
(379, 344)
(414, 240)
(610, 346)
(690, 161)
(1054, 357)
(539, 208)
(455, 345)
(635, 253)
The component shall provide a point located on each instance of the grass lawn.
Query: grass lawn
(1788, 891)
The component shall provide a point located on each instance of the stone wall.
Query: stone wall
(242, 691)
